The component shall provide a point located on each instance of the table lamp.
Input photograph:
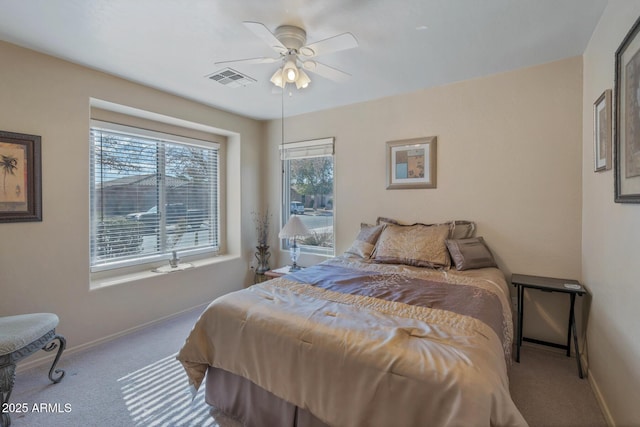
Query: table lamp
(293, 229)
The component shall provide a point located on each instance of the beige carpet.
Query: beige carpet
(136, 381)
(548, 391)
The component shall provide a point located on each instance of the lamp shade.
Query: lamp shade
(276, 79)
(294, 228)
(290, 70)
(303, 80)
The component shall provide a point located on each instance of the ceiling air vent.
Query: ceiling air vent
(231, 78)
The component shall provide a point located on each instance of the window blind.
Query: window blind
(151, 194)
(307, 149)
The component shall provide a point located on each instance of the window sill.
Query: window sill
(118, 279)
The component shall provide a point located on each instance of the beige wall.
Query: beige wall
(610, 236)
(44, 266)
(509, 158)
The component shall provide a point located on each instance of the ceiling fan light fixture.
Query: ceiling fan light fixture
(303, 80)
(291, 75)
(277, 79)
(290, 70)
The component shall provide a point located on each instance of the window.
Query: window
(308, 185)
(151, 194)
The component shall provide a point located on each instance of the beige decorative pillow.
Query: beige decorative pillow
(366, 240)
(458, 229)
(470, 253)
(418, 245)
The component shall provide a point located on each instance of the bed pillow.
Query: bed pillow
(471, 253)
(384, 220)
(458, 229)
(418, 245)
(461, 229)
(365, 241)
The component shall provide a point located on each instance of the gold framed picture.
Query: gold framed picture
(411, 163)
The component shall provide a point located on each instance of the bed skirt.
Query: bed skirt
(252, 405)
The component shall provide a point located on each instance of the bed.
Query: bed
(411, 326)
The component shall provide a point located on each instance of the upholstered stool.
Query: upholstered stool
(21, 336)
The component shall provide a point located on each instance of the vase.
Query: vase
(263, 256)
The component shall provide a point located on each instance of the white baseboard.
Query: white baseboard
(597, 393)
(48, 358)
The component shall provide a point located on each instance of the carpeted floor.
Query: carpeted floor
(548, 391)
(136, 381)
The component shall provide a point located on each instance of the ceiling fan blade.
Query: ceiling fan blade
(262, 60)
(332, 44)
(267, 36)
(326, 71)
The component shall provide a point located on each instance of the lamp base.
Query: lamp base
(294, 251)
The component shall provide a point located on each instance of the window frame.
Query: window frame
(306, 150)
(142, 261)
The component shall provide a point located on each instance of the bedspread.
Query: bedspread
(377, 354)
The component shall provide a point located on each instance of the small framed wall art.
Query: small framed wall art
(20, 175)
(627, 118)
(602, 132)
(411, 163)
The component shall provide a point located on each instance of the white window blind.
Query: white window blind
(151, 194)
(307, 149)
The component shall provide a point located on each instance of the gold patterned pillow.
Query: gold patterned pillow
(366, 240)
(458, 229)
(418, 245)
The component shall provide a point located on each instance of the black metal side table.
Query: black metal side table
(549, 284)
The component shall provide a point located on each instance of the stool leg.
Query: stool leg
(7, 377)
(50, 347)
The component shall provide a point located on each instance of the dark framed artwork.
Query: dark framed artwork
(20, 177)
(627, 118)
(411, 163)
(602, 132)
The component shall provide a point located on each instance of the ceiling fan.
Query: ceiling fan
(296, 56)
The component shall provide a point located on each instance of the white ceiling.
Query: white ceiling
(404, 45)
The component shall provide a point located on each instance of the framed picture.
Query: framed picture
(602, 132)
(20, 175)
(411, 163)
(627, 118)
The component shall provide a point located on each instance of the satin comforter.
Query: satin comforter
(364, 344)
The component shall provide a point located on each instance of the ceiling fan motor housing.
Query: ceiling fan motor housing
(293, 38)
